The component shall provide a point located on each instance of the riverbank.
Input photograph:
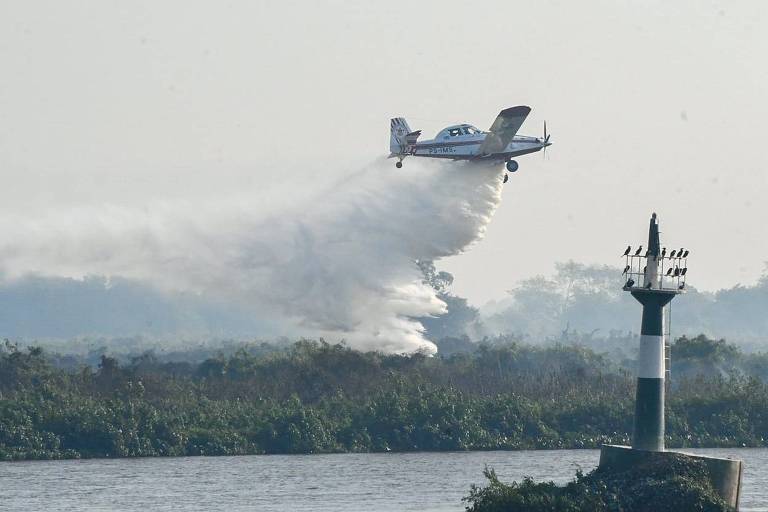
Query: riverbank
(319, 398)
(61, 425)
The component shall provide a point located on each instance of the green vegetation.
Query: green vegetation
(668, 486)
(314, 397)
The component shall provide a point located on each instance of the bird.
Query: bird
(639, 250)
(630, 283)
(645, 268)
(672, 255)
(682, 285)
(626, 269)
(677, 271)
(685, 254)
(629, 248)
(669, 272)
(683, 272)
(663, 252)
(647, 253)
(680, 253)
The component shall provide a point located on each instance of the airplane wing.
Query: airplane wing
(504, 129)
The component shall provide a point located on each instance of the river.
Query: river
(424, 482)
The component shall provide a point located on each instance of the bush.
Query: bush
(674, 485)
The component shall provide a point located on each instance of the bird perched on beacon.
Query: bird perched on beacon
(629, 248)
(639, 250)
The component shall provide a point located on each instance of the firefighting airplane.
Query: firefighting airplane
(465, 142)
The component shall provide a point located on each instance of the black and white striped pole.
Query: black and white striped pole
(650, 289)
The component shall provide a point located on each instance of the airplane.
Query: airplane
(465, 142)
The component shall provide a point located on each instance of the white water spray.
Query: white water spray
(341, 264)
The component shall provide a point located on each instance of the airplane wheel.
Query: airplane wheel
(399, 165)
(512, 166)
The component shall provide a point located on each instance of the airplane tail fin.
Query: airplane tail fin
(401, 136)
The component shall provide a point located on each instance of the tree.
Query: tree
(459, 320)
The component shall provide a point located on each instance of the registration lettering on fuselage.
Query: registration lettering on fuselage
(442, 149)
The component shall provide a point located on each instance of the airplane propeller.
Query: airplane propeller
(546, 140)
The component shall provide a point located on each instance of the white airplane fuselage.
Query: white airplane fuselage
(467, 147)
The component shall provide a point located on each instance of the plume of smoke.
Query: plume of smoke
(342, 263)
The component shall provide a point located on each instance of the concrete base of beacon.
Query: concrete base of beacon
(725, 474)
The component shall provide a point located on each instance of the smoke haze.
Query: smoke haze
(339, 263)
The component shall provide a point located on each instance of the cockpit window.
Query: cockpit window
(461, 130)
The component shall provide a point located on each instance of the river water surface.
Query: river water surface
(424, 482)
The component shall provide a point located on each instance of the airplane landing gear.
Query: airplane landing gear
(512, 166)
(399, 165)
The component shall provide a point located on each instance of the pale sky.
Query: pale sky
(652, 106)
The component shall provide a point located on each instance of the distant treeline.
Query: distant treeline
(314, 397)
(587, 300)
(578, 302)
